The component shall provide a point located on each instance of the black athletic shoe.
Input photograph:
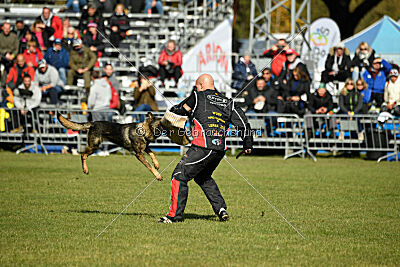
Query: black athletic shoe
(223, 215)
(164, 220)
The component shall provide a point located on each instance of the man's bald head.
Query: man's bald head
(204, 82)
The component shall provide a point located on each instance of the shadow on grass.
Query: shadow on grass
(188, 216)
(113, 213)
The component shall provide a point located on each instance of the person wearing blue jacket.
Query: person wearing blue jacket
(244, 71)
(58, 57)
(375, 77)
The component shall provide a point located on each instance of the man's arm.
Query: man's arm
(239, 120)
(187, 105)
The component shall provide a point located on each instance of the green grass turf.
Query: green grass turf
(50, 213)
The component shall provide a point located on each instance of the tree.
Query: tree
(347, 20)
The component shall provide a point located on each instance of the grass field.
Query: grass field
(348, 210)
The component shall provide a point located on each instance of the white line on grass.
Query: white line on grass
(133, 200)
(265, 199)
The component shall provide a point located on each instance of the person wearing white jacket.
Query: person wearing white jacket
(392, 94)
(25, 104)
(99, 98)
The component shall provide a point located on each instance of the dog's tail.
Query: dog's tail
(73, 125)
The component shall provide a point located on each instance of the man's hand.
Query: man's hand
(23, 112)
(165, 63)
(80, 71)
(389, 106)
(250, 77)
(331, 72)
(244, 151)
(295, 98)
(279, 97)
(93, 48)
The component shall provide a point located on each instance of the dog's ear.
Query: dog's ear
(150, 117)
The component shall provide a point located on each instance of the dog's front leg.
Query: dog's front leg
(153, 157)
(143, 160)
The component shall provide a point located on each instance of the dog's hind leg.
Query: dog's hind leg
(92, 145)
(144, 161)
(153, 157)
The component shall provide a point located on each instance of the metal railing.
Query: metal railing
(287, 132)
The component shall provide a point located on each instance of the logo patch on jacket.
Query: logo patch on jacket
(217, 100)
(216, 142)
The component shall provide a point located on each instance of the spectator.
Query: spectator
(292, 61)
(392, 94)
(244, 71)
(18, 71)
(362, 87)
(109, 73)
(32, 55)
(20, 28)
(23, 104)
(320, 102)
(150, 4)
(363, 58)
(23, 44)
(278, 55)
(144, 96)
(58, 57)
(350, 100)
(261, 98)
(350, 103)
(42, 33)
(74, 5)
(99, 98)
(49, 81)
(120, 18)
(337, 64)
(170, 62)
(8, 46)
(375, 77)
(91, 14)
(81, 62)
(92, 40)
(66, 26)
(68, 40)
(267, 75)
(294, 89)
(105, 6)
(50, 20)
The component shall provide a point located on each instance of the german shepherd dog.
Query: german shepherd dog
(133, 137)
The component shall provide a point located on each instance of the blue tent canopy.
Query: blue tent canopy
(383, 36)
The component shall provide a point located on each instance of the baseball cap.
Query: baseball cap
(42, 63)
(57, 41)
(291, 51)
(92, 24)
(77, 42)
(394, 72)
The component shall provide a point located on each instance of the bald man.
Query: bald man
(211, 113)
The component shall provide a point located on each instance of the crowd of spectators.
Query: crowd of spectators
(286, 87)
(55, 54)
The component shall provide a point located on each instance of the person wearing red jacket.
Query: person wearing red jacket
(16, 76)
(32, 55)
(50, 20)
(170, 62)
(278, 55)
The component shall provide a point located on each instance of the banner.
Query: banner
(211, 55)
(322, 35)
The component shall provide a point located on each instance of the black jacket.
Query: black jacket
(211, 115)
(344, 66)
(353, 101)
(315, 102)
(287, 71)
(121, 20)
(88, 41)
(291, 89)
(366, 63)
(86, 19)
(269, 93)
